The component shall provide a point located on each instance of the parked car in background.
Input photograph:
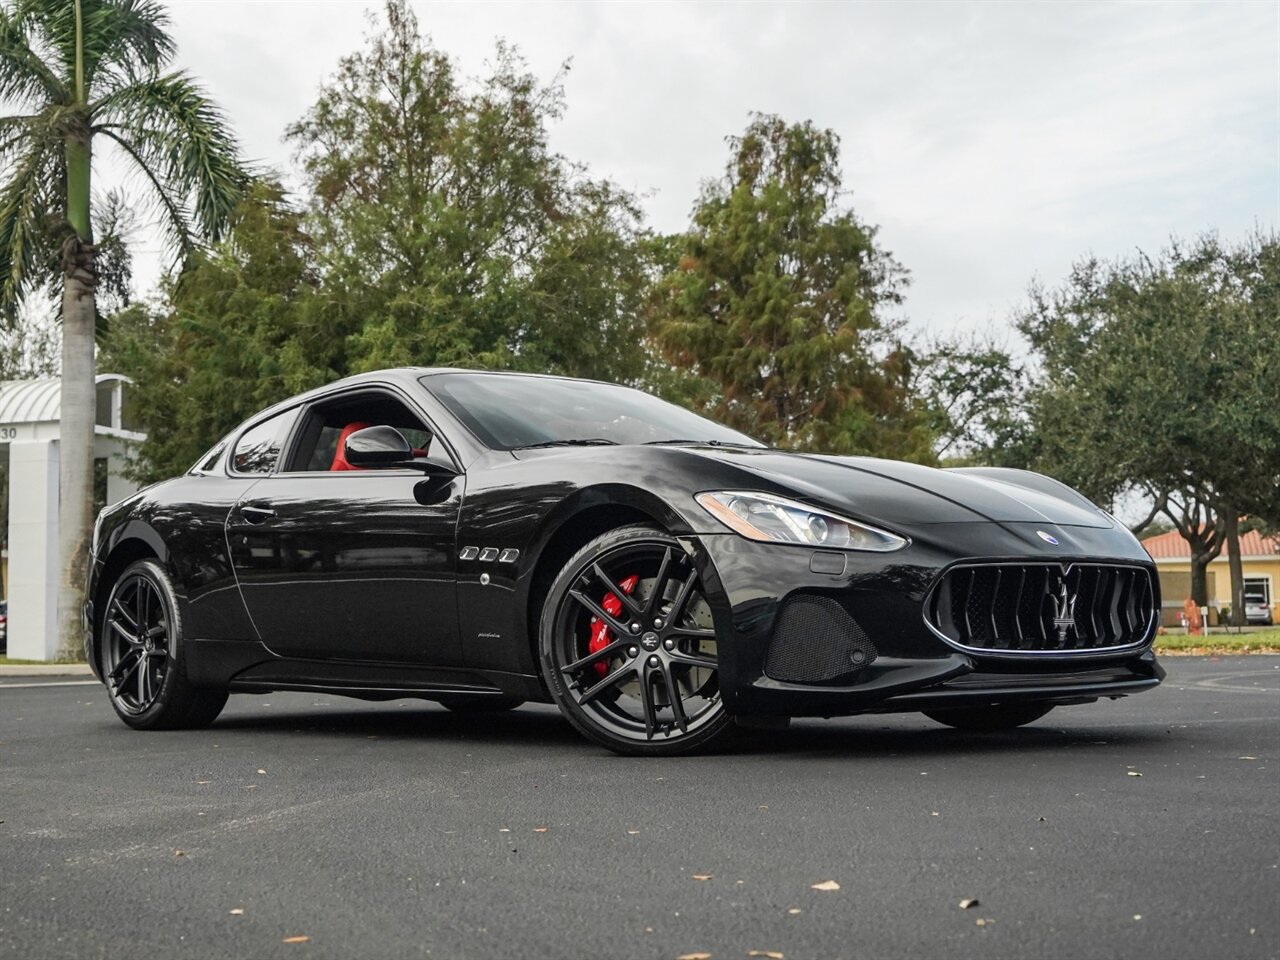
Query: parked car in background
(4, 626)
(1257, 610)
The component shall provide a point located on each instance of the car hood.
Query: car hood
(893, 492)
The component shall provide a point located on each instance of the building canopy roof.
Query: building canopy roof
(40, 401)
(1172, 546)
(30, 401)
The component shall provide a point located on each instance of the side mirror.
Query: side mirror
(385, 447)
(377, 447)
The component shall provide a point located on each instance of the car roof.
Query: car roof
(403, 375)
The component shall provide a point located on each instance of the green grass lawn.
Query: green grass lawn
(10, 660)
(1263, 641)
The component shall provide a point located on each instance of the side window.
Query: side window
(258, 449)
(319, 447)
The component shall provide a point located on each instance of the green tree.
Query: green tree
(777, 299)
(975, 394)
(245, 312)
(81, 75)
(448, 232)
(1159, 375)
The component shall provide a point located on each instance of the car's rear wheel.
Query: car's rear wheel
(989, 719)
(628, 646)
(140, 639)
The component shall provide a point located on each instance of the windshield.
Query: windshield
(509, 412)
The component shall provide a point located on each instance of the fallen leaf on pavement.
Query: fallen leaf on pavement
(702, 876)
(539, 829)
(260, 770)
(1246, 758)
(968, 902)
(793, 910)
(238, 912)
(204, 781)
(982, 921)
(179, 853)
(770, 954)
(694, 956)
(826, 885)
(1132, 773)
(297, 939)
(633, 832)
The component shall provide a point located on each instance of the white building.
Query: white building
(29, 422)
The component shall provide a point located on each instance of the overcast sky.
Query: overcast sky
(990, 142)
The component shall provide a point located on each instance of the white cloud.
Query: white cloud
(991, 142)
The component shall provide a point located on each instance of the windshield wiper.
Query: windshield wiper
(701, 443)
(589, 442)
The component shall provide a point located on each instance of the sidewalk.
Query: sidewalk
(45, 670)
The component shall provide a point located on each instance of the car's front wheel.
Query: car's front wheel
(140, 637)
(989, 719)
(628, 646)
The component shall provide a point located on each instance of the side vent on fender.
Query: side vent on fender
(815, 640)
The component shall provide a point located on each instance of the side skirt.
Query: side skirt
(247, 666)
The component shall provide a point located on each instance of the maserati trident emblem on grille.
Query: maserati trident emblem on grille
(1064, 611)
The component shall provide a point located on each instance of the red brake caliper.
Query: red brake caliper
(600, 635)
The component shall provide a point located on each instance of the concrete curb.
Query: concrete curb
(45, 670)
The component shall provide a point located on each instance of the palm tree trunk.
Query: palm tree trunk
(75, 456)
(79, 395)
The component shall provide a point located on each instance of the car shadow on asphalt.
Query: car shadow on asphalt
(542, 727)
(855, 737)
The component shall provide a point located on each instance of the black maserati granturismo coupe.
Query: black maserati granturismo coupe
(486, 539)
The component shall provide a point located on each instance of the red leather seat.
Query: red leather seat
(339, 456)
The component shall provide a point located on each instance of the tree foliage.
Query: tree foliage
(777, 301)
(448, 232)
(974, 393)
(1162, 373)
(244, 313)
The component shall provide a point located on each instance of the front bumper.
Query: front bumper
(910, 667)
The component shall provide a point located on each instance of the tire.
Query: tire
(641, 692)
(141, 653)
(466, 704)
(998, 716)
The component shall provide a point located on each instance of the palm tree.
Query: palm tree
(76, 76)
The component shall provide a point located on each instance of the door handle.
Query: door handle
(254, 514)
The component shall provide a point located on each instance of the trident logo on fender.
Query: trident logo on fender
(1064, 611)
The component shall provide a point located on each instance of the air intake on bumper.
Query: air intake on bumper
(815, 640)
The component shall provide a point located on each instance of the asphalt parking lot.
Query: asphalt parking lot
(1147, 827)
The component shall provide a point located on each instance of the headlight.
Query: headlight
(762, 516)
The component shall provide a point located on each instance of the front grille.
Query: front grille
(1043, 607)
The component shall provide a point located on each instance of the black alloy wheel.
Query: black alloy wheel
(628, 646)
(140, 636)
(990, 719)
